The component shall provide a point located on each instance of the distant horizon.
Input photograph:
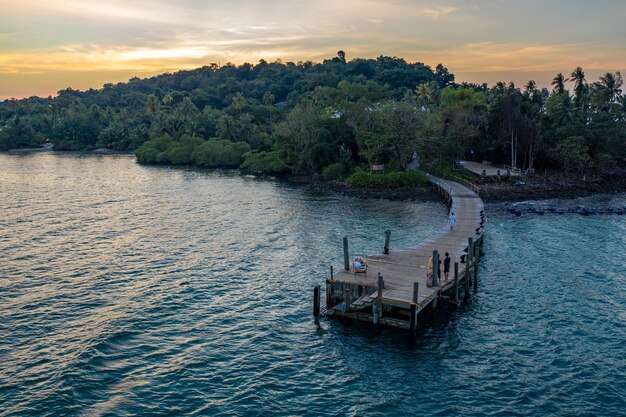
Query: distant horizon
(518, 78)
(52, 45)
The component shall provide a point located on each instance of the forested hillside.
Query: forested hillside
(332, 118)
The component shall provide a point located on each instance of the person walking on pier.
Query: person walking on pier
(446, 266)
(452, 220)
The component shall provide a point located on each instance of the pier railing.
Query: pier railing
(468, 184)
(395, 292)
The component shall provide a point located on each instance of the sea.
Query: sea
(130, 290)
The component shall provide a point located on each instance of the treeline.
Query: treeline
(332, 119)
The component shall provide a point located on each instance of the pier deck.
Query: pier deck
(401, 268)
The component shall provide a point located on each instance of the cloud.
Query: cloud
(152, 36)
(439, 11)
(528, 57)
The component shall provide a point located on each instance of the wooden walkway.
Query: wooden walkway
(351, 294)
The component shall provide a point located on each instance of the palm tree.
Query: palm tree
(153, 106)
(530, 88)
(424, 93)
(167, 101)
(268, 100)
(511, 111)
(559, 83)
(186, 110)
(578, 77)
(608, 89)
(239, 102)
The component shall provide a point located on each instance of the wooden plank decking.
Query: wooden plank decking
(402, 267)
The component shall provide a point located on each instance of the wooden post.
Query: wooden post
(375, 313)
(330, 292)
(470, 257)
(456, 283)
(346, 298)
(346, 257)
(413, 320)
(379, 300)
(387, 238)
(416, 288)
(316, 301)
(467, 284)
(477, 249)
(435, 268)
(332, 274)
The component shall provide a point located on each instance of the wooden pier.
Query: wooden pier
(394, 291)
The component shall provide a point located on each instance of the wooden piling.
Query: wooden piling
(379, 299)
(316, 301)
(435, 268)
(470, 257)
(476, 255)
(456, 283)
(466, 285)
(387, 238)
(416, 287)
(332, 273)
(375, 313)
(346, 257)
(413, 319)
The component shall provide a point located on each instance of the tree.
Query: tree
(303, 140)
(238, 103)
(571, 154)
(461, 118)
(607, 90)
(167, 102)
(396, 130)
(443, 77)
(268, 100)
(426, 93)
(578, 78)
(558, 82)
(185, 111)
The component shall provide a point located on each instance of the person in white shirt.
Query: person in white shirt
(452, 220)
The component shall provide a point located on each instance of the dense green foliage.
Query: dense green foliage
(191, 150)
(332, 118)
(388, 180)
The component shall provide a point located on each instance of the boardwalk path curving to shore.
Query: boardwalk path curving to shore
(350, 294)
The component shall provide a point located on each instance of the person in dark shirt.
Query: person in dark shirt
(446, 266)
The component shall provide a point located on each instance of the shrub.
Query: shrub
(334, 171)
(216, 153)
(151, 151)
(390, 180)
(180, 152)
(264, 163)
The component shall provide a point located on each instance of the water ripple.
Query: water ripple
(130, 290)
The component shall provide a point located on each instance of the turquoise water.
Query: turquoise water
(130, 290)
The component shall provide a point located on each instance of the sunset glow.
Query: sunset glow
(51, 45)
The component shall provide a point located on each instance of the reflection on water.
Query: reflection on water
(129, 290)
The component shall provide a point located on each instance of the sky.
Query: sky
(49, 45)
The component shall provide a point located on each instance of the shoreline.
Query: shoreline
(49, 149)
(489, 193)
(536, 189)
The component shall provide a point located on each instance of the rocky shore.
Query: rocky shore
(537, 189)
(414, 194)
(550, 189)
